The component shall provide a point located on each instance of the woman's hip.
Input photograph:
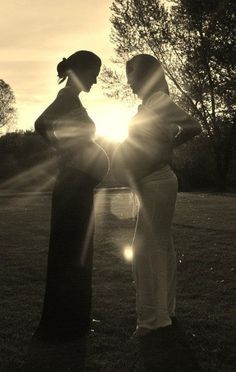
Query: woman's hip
(164, 174)
(157, 196)
(161, 184)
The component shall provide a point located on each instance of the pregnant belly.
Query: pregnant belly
(89, 158)
(132, 162)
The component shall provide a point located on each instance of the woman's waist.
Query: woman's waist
(163, 173)
(91, 159)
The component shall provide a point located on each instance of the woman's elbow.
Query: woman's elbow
(39, 126)
(197, 129)
(193, 126)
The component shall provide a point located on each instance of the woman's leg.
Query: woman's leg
(154, 256)
(172, 274)
(67, 302)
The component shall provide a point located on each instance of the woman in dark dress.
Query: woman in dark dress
(66, 126)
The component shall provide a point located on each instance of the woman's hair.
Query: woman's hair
(148, 68)
(79, 61)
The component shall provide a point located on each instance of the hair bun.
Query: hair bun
(64, 60)
(79, 61)
(62, 68)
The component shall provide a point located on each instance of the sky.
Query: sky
(36, 35)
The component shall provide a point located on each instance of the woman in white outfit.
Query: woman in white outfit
(143, 161)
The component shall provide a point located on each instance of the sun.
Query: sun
(112, 123)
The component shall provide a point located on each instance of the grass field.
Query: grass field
(204, 234)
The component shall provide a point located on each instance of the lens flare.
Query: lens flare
(128, 253)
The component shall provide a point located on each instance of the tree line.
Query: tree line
(194, 40)
(28, 164)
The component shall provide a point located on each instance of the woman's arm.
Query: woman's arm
(44, 125)
(188, 128)
(184, 126)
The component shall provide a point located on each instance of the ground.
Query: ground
(204, 231)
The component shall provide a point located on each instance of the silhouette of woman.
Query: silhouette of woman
(143, 162)
(66, 126)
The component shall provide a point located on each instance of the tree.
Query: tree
(26, 162)
(7, 109)
(194, 41)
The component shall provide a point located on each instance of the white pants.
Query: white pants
(154, 260)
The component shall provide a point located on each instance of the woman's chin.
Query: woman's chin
(87, 89)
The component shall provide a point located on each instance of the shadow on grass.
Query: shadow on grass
(121, 221)
(45, 356)
(166, 351)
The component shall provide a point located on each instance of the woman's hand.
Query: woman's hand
(45, 129)
(50, 119)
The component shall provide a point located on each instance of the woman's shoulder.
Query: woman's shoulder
(66, 101)
(67, 93)
(162, 105)
(158, 100)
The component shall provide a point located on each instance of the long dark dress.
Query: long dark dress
(67, 302)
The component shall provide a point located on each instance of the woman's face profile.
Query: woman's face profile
(136, 78)
(143, 78)
(88, 77)
(132, 78)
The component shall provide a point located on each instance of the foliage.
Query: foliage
(113, 84)
(7, 109)
(194, 41)
(27, 163)
(194, 165)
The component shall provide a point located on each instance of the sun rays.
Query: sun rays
(112, 123)
(128, 253)
(77, 82)
(100, 198)
(21, 182)
(41, 176)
